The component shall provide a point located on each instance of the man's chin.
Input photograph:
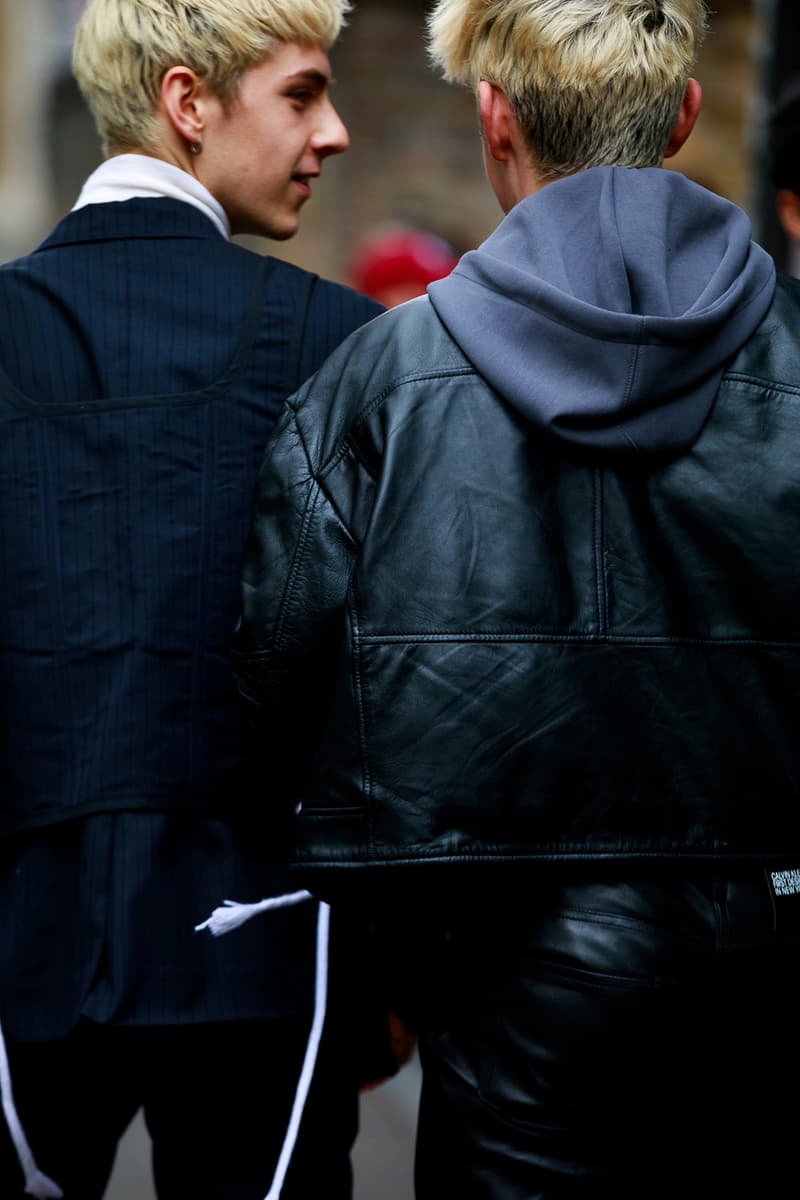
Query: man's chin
(276, 231)
(282, 235)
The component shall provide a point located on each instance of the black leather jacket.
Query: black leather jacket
(466, 643)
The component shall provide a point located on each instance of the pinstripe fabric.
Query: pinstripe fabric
(143, 360)
(142, 374)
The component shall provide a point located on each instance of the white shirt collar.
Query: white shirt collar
(128, 175)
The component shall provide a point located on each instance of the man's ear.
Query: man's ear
(788, 206)
(496, 120)
(182, 93)
(690, 111)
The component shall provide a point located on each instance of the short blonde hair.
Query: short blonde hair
(124, 48)
(591, 82)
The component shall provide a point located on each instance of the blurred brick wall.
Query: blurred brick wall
(719, 152)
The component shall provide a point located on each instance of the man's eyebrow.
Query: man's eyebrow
(309, 76)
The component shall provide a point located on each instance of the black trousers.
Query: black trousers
(614, 1039)
(216, 1101)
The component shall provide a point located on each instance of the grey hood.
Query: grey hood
(606, 307)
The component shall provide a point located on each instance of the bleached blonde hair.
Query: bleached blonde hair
(124, 48)
(591, 82)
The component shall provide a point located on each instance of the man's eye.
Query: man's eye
(302, 95)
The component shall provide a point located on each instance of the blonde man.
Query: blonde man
(144, 358)
(531, 541)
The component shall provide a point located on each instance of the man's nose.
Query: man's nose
(331, 137)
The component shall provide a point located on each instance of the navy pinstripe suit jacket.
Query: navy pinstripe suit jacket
(143, 360)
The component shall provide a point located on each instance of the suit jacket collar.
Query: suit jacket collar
(138, 218)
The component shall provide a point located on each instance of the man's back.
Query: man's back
(508, 585)
(145, 359)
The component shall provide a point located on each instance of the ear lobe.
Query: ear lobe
(496, 120)
(181, 99)
(690, 111)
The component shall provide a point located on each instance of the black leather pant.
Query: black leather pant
(614, 1039)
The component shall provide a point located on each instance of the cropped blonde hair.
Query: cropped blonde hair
(124, 48)
(591, 82)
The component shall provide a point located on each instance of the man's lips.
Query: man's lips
(303, 183)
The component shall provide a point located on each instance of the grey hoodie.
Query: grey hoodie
(606, 307)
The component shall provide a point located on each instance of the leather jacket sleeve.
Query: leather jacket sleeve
(296, 573)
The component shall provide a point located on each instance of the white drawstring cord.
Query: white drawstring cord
(230, 916)
(37, 1183)
(312, 1050)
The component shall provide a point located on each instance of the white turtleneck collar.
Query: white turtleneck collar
(128, 175)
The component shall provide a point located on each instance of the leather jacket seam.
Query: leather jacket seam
(291, 580)
(599, 541)
(762, 384)
(545, 635)
(361, 711)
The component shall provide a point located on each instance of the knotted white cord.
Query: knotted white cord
(37, 1183)
(230, 916)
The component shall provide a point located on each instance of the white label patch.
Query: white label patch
(786, 883)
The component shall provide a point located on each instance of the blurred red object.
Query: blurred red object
(395, 265)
